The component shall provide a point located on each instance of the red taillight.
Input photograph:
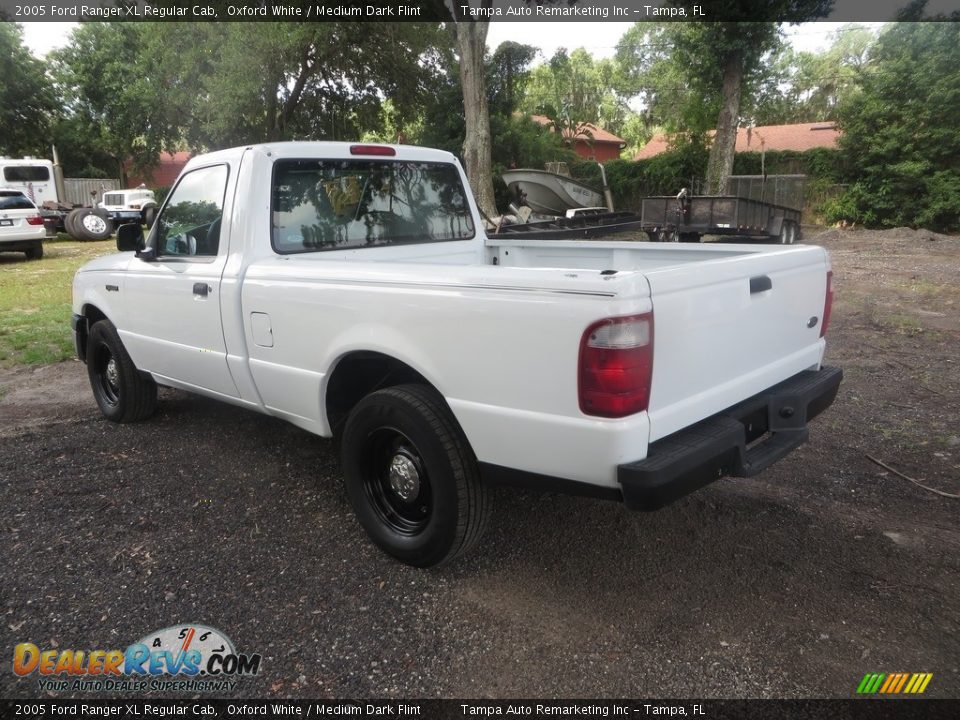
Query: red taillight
(827, 304)
(384, 150)
(616, 363)
(36, 220)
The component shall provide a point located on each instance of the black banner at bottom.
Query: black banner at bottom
(865, 709)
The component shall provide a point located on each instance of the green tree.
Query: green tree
(243, 82)
(808, 86)
(709, 67)
(135, 89)
(113, 105)
(574, 90)
(823, 81)
(900, 137)
(508, 74)
(27, 98)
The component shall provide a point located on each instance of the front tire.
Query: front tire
(122, 392)
(412, 477)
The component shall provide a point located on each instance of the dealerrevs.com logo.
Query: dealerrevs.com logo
(185, 658)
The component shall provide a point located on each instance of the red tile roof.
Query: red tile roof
(597, 134)
(164, 174)
(800, 136)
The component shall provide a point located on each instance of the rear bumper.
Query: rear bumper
(124, 216)
(23, 238)
(731, 443)
(20, 245)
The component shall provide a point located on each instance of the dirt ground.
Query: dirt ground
(792, 584)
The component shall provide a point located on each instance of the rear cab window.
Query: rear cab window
(320, 205)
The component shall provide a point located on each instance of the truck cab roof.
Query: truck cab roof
(325, 149)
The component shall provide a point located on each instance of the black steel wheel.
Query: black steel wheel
(396, 482)
(122, 392)
(411, 476)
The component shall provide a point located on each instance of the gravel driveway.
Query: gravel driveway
(791, 584)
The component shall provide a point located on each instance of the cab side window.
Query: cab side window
(190, 223)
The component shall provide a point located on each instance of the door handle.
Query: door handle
(760, 283)
(201, 289)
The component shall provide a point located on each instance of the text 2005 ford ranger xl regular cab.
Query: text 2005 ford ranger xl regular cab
(350, 290)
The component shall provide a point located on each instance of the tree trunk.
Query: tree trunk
(720, 165)
(472, 43)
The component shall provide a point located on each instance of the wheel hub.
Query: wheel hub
(404, 477)
(112, 374)
(94, 223)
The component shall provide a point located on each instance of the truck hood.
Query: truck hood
(117, 262)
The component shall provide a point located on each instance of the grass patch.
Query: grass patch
(925, 288)
(35, 298)
(904, 324)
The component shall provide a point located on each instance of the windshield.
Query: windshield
(339, 204)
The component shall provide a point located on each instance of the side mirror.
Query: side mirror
(130, 237)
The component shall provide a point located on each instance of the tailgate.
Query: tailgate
(729, 328)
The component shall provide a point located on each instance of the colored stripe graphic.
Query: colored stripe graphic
(894, 683)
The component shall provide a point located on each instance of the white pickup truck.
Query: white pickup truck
(351, 290)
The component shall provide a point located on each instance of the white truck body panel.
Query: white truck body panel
(494, 325)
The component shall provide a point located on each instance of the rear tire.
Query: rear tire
(34, 253)
(148, 215)
(70, 227)
(93, 224)
(123, 393)
(411, 476)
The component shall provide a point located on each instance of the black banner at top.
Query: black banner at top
(463, 10)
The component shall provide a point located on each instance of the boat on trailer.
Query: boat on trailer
(548, 193)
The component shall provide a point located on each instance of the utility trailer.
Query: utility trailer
(761, 208)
